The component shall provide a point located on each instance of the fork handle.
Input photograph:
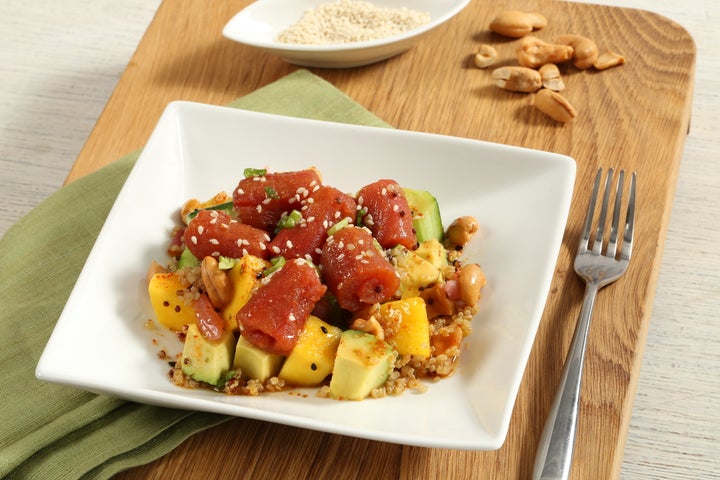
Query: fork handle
(554, 453)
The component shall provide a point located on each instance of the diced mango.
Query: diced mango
(406, 326)
(170, 309)
(244, 278)
(313, 357)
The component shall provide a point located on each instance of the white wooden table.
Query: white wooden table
(59, 62)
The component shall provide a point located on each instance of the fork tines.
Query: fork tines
(596, 246)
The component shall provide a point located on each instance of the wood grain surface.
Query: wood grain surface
(633, 117)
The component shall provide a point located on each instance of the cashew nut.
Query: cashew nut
(551, 78)
(217, 285)
(471, 280)
(554, 105)
(585, 50)
(461, 231)
(533, 52)
(485, 56)
(371, 326)
(608, 59)
(516, 24)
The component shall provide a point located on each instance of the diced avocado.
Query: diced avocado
(187, 259)
(415, 272)
(254, 362)
(312, 358)
(206, 361)
(427, 221)
(434, 252)
(363, 362)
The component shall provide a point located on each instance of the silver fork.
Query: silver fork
(597, 268)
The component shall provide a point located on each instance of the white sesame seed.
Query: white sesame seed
(384, 191)
(266, 201)
(396, 207)
(262, 246)
(351, 246)
(240, 191)
(341, 256)
(193, 239)
(341, 244)
(244, 252)
(214, 241)
(291, 317)
(318, 251)
(266, 237)
(337, 214)
(259, 208)
(289, 244)
(276, 249)
(200, 230)
(245, 242)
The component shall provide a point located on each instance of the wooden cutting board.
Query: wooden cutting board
(634, 117)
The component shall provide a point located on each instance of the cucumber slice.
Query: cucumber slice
(427, 221)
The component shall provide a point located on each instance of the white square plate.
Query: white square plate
(521, 198)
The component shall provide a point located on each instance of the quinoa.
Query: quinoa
(347, 21)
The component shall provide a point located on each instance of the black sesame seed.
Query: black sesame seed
(313, 367)
(324, 330)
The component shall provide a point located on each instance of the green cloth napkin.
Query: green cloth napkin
(52, 431)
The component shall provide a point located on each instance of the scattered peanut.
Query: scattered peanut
(485, 56)
(514, 23)
(554, 105)
(551, 78)
(517, 79)
(585, 50)
(217, 285)
(446, 339)
(461, 231)
(471, 281)
(608, 59)
(533, 52)
(437, 302)
(371, 326)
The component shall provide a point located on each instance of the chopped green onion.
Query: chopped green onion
(226, 263)
(339, 226)
(289, 220)
(227, 207)
(254, 172)
(271, 193)
(276, 263)
(360, 217)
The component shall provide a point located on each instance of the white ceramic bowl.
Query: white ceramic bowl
(260, 23)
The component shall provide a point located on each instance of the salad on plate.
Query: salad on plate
(289, 283)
